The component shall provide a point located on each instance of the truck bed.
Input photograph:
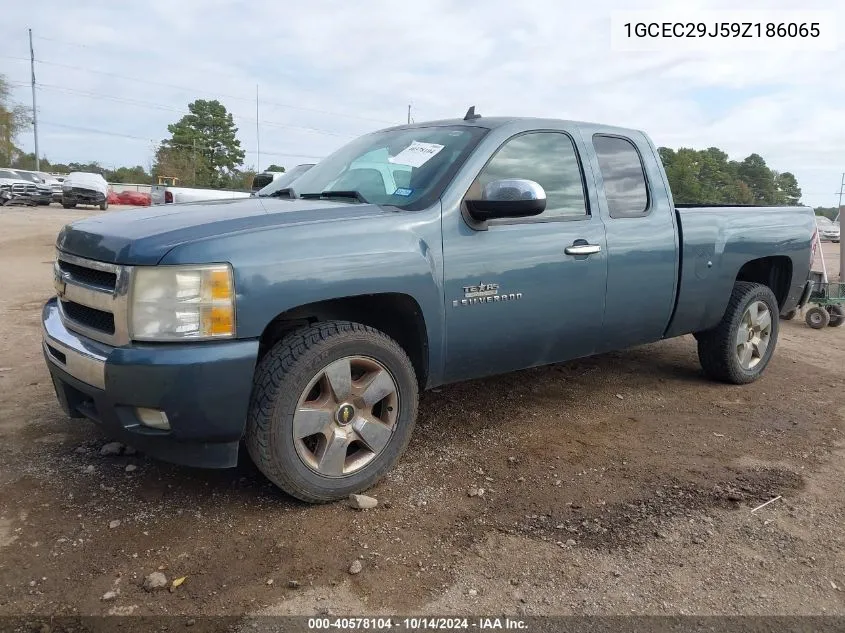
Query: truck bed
(718, 239)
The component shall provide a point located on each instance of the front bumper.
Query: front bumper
(203, 388)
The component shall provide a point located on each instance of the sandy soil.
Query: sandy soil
(621, 484)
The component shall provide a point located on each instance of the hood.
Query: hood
(144, 236)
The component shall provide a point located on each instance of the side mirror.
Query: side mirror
(508, 198)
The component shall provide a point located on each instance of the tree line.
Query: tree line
(709, 177)
(203, 150)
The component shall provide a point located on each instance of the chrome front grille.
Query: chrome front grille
(93, 297)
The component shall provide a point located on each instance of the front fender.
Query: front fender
(279, 269)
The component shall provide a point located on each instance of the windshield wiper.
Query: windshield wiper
(285, 192)
(345, 193)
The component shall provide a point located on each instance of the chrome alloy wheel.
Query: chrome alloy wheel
(345, 416)
(753, 335)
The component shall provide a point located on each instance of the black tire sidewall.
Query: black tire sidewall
(837, 314)
(817, 310)
(764, 294)
(281, 442)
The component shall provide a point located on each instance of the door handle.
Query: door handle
(582, 249)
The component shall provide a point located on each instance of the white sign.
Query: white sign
(416, 154)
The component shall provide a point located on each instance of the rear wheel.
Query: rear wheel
(739, 348)
(817, 317)
(332, 409)
(68, 205)
(104, 205)
(837, 315)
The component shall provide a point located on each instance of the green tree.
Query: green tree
(788, 191)
(275, 167)
(208, 138)
(708, 177)
(755, 173)
(14, 119)
(135, 175)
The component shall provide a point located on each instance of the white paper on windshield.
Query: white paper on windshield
(416, 154)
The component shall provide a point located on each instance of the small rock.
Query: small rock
(697, 541)
(32, 583)
(387, 505)
(89, 469)
(620, 396)
(512, 459)
(472, 592)
(155, 580)
(130, 450)
(112, 448)
(131, 468)
(356, 567)
(293, 584)
(481, 492)
(114, 524)
(520, 479)
(110, 595)
(617, 574)
(190, 622)
(571, 542)
(81, 450)
(514, 581)
(660, 534)
(45, 628)
(472, 492)
(270, 581)
(362, 502)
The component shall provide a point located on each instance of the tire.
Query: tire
(295, 371)
(788, 316)
(68, 205)
(817, 317)
(837, 315)
(104, 205)
(718, 350)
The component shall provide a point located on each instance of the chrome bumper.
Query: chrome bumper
(83, 359)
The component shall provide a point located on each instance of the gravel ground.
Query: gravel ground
(621, 484)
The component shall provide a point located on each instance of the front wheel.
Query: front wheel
(332, 409)
(740, 347)
(104, 205)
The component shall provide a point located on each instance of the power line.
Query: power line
(150, 140)
(166, 108)
(190, 89)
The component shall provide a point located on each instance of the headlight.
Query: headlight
(182, 302)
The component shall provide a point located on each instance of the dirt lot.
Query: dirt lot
(616, 485)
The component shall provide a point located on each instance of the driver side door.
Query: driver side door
(517, 294)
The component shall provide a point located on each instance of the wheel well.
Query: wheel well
(397, 315)
(774, 272)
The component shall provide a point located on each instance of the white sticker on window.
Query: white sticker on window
(416, 154)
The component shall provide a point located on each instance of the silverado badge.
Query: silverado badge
(484, 293)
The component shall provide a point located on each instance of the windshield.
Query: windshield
(284, 181)
(407, 168)
(25, 175)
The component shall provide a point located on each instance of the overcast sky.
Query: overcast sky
(328, 70)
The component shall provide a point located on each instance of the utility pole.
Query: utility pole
(409, 114)
(841, 247)
(257, 135)
(34, 108)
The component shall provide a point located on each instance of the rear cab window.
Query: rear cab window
(623, 174)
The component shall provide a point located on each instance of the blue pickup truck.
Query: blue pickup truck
(303, 323)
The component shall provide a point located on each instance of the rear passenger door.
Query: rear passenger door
(642, 240)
